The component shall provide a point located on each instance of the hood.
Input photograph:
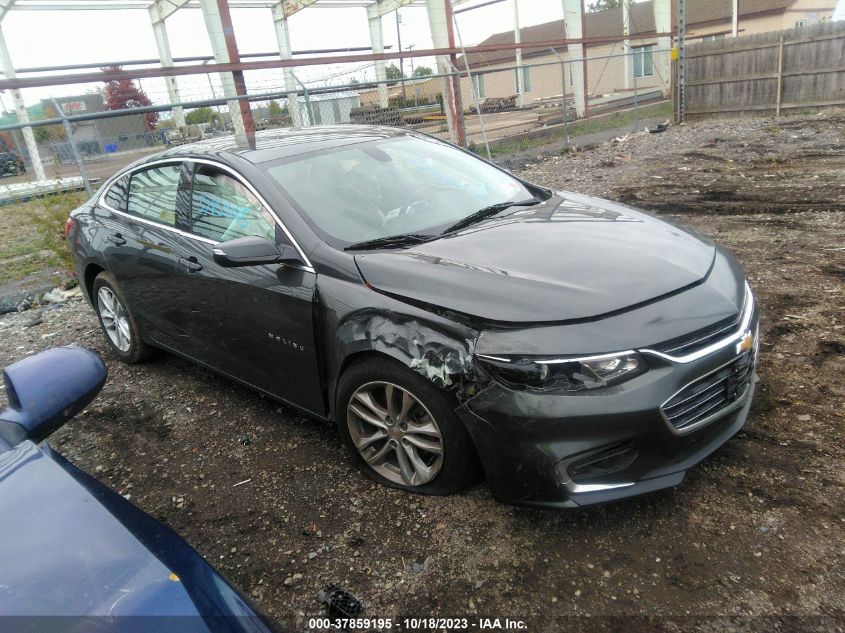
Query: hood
(72, 547)
(572, 257)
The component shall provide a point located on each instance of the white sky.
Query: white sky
(43, 38)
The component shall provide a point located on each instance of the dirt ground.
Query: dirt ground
(754, 538)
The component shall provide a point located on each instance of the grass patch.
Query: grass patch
(32, 235)
(583, 127)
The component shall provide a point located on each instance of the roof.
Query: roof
(608, 23)
(281, 143)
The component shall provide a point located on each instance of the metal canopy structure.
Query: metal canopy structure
(229, 66)
(168, 7)
(216, 15)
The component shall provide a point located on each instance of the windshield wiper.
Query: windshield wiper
(487, 212)
(391, 241)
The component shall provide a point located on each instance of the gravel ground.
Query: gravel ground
(754, 538)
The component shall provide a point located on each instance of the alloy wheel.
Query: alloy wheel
(114, 319)
(395, 433)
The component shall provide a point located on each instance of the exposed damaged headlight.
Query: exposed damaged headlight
(564, 374)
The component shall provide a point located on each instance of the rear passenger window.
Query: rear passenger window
(222, 208)
(152, 193)
(116, 195)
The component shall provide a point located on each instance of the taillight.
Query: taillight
(69, 226)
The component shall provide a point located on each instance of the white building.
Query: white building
(330, 108)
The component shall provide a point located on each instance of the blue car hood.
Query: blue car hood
(72, 547)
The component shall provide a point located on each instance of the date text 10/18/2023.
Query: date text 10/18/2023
(418, 624)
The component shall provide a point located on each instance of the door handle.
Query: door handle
(116, 239)
(190, 264)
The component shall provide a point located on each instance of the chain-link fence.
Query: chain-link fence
(550, 99)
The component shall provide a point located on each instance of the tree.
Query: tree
(423, 71)
(47, 133)
(275, 110)
(7, 143)
(393, 73)
(123, 94)
(200, 115)
(603, 5)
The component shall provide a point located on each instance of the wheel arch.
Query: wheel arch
(442, 354)
(89, 275)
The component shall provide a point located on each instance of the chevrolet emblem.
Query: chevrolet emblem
(746, 343)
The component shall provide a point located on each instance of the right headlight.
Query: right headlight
(564, 374)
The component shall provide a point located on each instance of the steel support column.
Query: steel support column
(377, 40)
(440, 23)
(374, 14)
(166, 59)
(20, 108)
(216, 34)
(280, 20)
(662, 57)
(573, 19)
(735, 20)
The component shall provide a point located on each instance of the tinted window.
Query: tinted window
(222, 208)
(152, 193)
(116, 195)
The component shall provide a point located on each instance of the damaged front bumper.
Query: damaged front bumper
(572, 450)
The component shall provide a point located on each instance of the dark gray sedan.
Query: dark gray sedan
(449, 317)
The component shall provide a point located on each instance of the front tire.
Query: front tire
(401, 430)
(117, 321)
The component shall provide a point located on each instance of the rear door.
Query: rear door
(139, 243)
(254, 323)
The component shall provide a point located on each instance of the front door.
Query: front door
(254, 323)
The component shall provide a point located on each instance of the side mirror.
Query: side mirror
(250, 251)
(47, 390)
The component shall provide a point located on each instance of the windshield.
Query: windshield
(391, 187)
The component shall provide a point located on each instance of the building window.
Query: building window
(526, 79)
(644, 61)
(799, 24)
(478, 90)
(713, 38)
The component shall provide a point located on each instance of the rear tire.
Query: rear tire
(401, 430)
(119, 325)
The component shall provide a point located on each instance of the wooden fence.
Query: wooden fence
(767, 73)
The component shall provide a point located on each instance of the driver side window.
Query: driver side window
(223, 209)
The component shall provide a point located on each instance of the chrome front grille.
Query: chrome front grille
(714, 394)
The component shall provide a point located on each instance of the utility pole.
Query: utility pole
(517, 39)
(401, 60)
(626, 44)
(682, 58)
(411, 47)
